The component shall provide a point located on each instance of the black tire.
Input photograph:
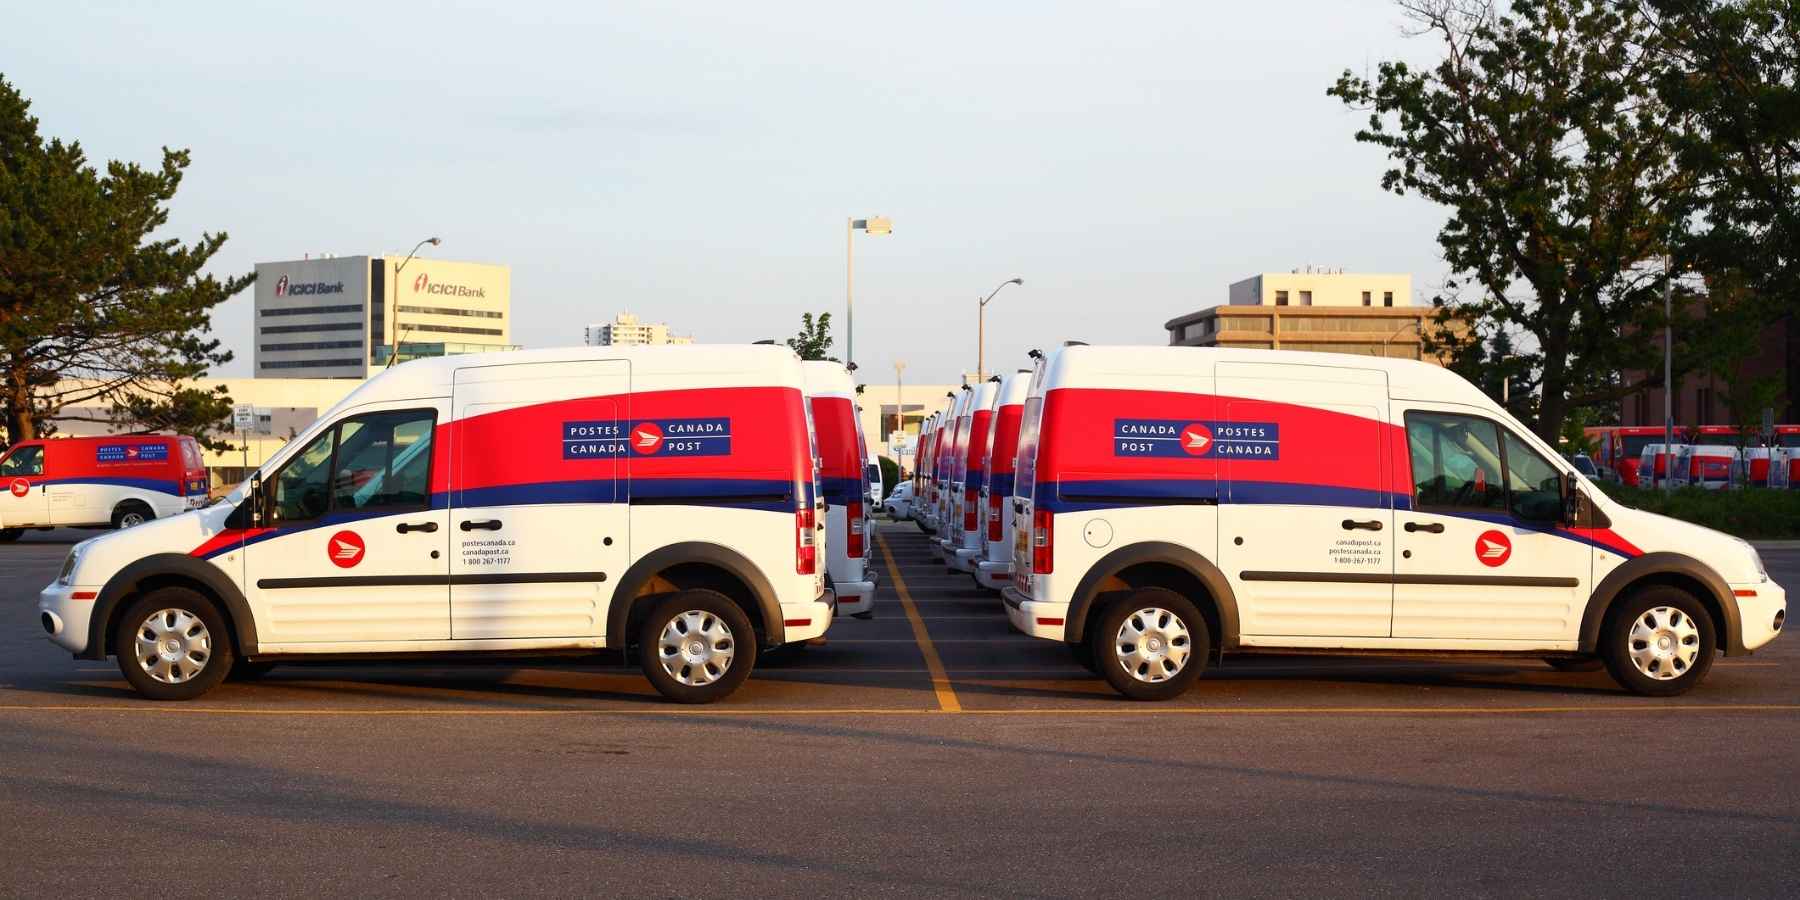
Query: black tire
(215, 662)
(1616, 641)
(131, 514)
(245, 670)
(737, 627)
(1575, 663)
(8, 535)
(1101, 643)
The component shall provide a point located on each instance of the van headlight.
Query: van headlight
(1762, 574)
(70, 564)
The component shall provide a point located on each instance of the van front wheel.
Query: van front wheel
(1658, 642)
(172, 644)
(696, 646)
(1151, 644)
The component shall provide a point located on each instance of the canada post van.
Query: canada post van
(88, 482)
(1174, 503)
(993, 567)
(842, 479)
(922, 468)
(652, 499)
(950, 448)
(872, 471)
(962, 542)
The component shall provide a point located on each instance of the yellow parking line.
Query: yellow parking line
(940, 681)
(1122, 709)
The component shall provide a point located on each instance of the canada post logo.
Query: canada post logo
(611, 439)
(130, 453)
(1182, 438)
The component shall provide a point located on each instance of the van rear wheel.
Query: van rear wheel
(1151, 644)
(172, 644)
(8, 535)
(1659, 642)
(696, 646)
(131, 514)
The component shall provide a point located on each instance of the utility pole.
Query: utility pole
(899, 415)
(1668, 372)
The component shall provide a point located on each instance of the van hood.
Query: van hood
(1732, 557)
(101, 557)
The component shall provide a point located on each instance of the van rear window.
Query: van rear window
(1025, 472)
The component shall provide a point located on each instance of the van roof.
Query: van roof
(828, 379)
(1407, 379)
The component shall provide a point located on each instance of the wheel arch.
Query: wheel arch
(1676, 570)
(166, 570)
(1157, 563)
(693, 564)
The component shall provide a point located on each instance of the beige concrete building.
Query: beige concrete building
(345, 316)
(1334, 312)
(625, 329)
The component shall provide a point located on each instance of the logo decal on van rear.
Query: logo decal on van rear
(647, 437)
(19, 487)
(345, 549)
(1493, 548)
(1178, 438)
(131, 453)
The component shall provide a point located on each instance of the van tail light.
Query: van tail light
(971, 506)
(806, 546)
(1043, 541)
(993, 517)
(853, 528)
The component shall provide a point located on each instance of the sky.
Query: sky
(695, 162)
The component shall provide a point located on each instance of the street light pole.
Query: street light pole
(899, 416)
(871, 225)
(1668, 370)
(393, 325)
(981, 330)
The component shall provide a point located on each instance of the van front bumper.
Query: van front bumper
(1035, 618)
(1758, 614)
(65, 619)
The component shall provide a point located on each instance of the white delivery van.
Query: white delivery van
(877, 492)
(651, 499)
(993, 567)
(956, 436)
(94, 482)
(962, 543)
(843, 479)
(922, 472)
(1175, 503)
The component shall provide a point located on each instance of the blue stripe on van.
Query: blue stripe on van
(1073, 496)
(840, 491)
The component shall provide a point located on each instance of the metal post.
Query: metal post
(981, 342)
(849, 290)
(899, 415)
(1668, 374)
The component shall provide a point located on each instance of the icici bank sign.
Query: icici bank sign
(424, 285)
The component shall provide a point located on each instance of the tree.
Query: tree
(1731, 73)
(190, 411)
(1539, 130)
(95, 305)
(814, 339)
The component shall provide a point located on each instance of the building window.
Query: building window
(1306, 298)
(1281, 298)
(312, 364)
(313, 310)
(447, 311)
(296, 329)
(1703, 398)
(1366, 299)
(455, 329)
(1387, 298)
(312, 345)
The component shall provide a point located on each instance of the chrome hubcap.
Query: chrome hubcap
(173, 646)
(131, 520)
(696, 648)
(1152, 645)
(1664, 643)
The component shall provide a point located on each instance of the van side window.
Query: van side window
(300, 488)
(1534, 484)
(24, 461)
(1455, 462)
(384, 461)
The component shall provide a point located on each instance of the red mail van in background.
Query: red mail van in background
(94, 482)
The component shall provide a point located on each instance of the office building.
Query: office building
(626, 330)
(1333, 312)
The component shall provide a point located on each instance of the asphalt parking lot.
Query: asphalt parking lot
(929, 751)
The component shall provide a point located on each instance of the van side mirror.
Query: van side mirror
(258, 511)
(1571, 505)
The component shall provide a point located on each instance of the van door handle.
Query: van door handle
(1353, 525)
(1433, 527)
(489, 525)
(426, 527)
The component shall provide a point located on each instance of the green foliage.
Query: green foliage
(814, 339)
(190, 411)
(890, 476)
(1753, 514)
(94, 304)
(1538, 131)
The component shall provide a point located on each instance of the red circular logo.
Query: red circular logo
(20, 487)
(1493, 548)
(345, 549)
(1196, 439)
(647, 438)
